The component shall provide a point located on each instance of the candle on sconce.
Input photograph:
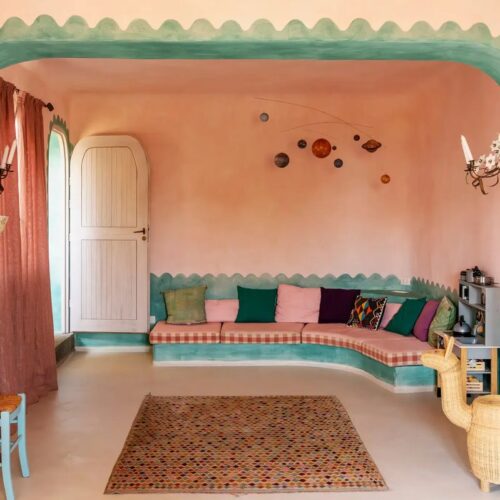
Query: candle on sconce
(4, 157)
(12, 151)
(466, 149)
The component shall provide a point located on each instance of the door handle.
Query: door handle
(143, 231)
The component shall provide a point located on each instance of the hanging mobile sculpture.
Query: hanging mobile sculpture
(322, 147)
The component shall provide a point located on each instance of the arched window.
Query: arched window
(57, 185)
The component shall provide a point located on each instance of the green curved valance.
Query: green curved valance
(46, 39)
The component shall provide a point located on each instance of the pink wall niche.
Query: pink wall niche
(218, 203)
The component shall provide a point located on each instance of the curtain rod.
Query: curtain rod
(48, 105)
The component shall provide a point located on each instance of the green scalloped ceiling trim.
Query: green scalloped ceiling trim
(45, 39)
(222, 286)
(432, 290)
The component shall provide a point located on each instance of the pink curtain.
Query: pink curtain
(10, 253)
(27, 354)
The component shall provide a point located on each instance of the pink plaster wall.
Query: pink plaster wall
(458, 227)
(218, 204)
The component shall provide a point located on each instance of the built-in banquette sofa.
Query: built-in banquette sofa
(390, 359)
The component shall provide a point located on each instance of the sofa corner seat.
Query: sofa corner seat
(387, 348)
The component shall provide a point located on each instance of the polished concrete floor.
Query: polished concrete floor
(76, 434)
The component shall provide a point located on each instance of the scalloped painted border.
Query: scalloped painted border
(433, 290)
(223, 286)
(45, 38)
(60, 124)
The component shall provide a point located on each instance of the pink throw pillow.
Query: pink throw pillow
(221, 310)
(297, 305)
(421, 328)
(390, 310)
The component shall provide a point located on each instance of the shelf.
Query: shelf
(477, 285)
(472, 372)
(479, 307)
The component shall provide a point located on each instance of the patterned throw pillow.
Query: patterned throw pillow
(367, 312)
(185, 306)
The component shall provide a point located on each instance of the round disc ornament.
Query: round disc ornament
(281, 160)
(321, 148)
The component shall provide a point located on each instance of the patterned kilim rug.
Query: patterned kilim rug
(243, 445)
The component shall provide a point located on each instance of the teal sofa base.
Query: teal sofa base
(397, 379)
(116, 342)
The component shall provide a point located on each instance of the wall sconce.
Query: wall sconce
(6, 165)
(485, 168)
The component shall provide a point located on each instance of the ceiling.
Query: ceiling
(234, 76)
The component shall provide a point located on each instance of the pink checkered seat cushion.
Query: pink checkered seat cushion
(203, 333)
(403, 351)
(388, 348)
(261, 333)
(340, 335)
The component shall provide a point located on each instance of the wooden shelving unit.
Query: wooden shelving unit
(486, 301)
(488, 376)
(478, 300)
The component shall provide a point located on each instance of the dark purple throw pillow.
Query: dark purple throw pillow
(336, 304)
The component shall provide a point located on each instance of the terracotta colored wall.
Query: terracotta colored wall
(459, 227)
(405, 13)
(218, 204)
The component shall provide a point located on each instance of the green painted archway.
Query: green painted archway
(46, 39)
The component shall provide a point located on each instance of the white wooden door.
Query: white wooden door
(109, 276)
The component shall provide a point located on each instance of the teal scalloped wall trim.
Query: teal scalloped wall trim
(396, 376)
(101, 339)
(432, 290)
(46, 39)
(222, 286)
(61, 125)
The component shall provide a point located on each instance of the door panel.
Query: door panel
(109, 255)
(103, 265)
(109, 188)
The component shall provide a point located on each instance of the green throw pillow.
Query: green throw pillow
(185, 305)
(444, 319)
(404, 320)
(256, 306)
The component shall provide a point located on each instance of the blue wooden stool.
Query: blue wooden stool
(12, 411)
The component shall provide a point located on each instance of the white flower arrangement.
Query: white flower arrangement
(495, 146)
(485, 167)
